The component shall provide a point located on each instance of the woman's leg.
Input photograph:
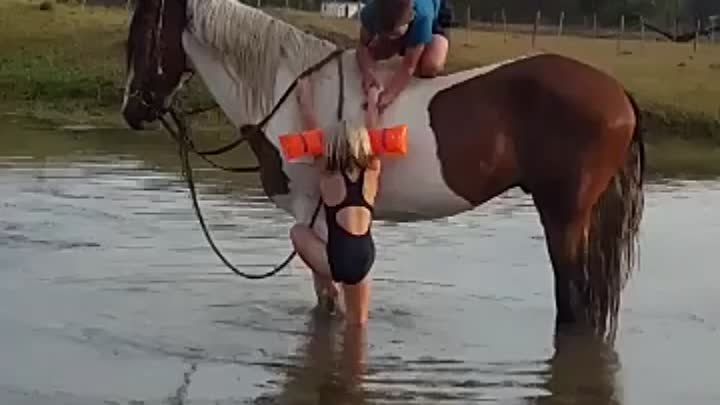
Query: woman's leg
(311, 250)
(357, 302)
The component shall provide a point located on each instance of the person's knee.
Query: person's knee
(297, 233)
(432, 62)
(430, 68)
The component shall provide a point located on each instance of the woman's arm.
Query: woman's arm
(305, 103)
(371, 112)
(307, 114)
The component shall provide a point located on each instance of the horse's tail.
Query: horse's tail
(612, 237)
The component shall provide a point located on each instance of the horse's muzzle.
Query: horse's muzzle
(136, 114)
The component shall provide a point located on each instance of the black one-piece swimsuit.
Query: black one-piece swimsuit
(350, 256)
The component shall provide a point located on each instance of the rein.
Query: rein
(185, 144)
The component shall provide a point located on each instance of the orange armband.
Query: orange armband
(384, 141)
(389, 141)
(305, 143)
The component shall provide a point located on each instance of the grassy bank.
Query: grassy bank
(60, 62)
(68, 63)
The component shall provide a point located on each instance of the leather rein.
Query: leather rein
(181, 133)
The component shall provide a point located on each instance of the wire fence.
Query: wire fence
(704, 31)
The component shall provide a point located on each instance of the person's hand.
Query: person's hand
(385, 99)
(368, 82)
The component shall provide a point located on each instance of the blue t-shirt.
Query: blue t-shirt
(420, 30)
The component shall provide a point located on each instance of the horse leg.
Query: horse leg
(591, 227)
(566, 236)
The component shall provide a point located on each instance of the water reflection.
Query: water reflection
(332, 367)
(329, 367)
(582, 371)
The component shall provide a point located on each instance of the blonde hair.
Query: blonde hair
(349, 148)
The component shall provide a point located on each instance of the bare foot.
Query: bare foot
(327, 295)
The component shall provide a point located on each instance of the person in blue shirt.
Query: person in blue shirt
(414, 29)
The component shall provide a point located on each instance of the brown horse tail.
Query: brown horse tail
(613, 235)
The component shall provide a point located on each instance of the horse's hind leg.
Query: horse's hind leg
(566, 237)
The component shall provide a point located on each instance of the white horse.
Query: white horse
(563, 131)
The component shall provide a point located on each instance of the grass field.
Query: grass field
(679, 89)
(69, 62)
(65, 60)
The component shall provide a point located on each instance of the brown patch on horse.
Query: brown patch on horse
(273, 179)
(537, 111)
(471, 121)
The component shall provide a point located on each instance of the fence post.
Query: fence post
(468, 17)
(562, 21)
(712, 30)
(595, 25)
(642, 31)
(621, 34)
(536, 25)
(504, 22)
(697, 35)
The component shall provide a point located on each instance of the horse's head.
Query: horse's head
(156, 61)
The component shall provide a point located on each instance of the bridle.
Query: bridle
(181, 133)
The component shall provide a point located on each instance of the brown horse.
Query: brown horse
(566, 133)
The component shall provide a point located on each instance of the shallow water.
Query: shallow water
(110, 294)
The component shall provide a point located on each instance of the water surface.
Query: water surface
(110, 294)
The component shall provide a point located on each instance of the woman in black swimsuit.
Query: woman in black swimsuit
(348, 187)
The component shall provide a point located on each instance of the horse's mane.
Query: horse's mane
(253, 45)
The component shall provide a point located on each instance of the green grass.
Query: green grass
(68, 63)
(64, 61)
(683, 158)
